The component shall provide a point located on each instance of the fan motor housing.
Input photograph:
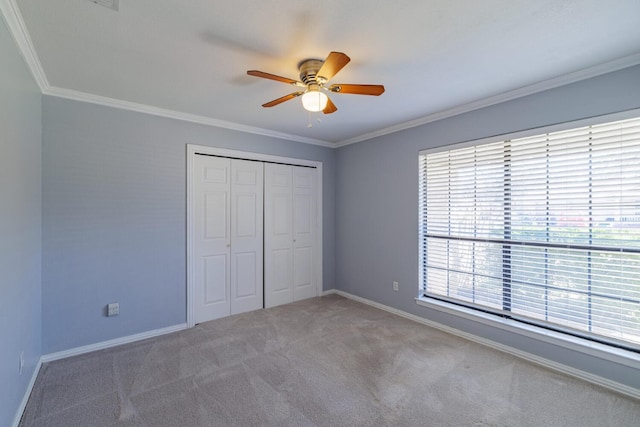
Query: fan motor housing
(309, 70)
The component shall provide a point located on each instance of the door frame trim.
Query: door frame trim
(192, 150)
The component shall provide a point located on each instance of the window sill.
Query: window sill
(601, 351)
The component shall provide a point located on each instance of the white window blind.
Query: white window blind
(543, 229)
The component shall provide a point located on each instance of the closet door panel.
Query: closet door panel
(246, 279)
(246, 236)
(215, 273)
(216, 207)
(278, 235)
(303, 274)
(212, 237)
(304, 220)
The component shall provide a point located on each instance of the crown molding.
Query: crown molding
(13, 18)
(187, 117)
(17, 28)
(16, 25)
(607, 67)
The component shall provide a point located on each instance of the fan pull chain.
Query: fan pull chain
(318, 119)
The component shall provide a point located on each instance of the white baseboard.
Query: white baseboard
(27, 393)
(111, 343)
(87, 349)
(594, 379)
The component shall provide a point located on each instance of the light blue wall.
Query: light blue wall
(20, 225)
(377, 201)
(114, 217)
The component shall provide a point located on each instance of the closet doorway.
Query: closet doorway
(254, 231)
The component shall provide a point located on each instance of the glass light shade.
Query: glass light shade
(314, 100)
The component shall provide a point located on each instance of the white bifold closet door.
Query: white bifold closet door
(228, 236)
(289, 233)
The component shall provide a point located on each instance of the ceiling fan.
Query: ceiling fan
(314, 75)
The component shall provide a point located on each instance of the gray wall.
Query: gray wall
(20, 248)
(114, 217)
(377, 201)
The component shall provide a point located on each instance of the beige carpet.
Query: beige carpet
(326, 361)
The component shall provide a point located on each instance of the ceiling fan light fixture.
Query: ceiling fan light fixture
(314, 100)
(314, 74)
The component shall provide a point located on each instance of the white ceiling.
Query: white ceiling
(431, 55)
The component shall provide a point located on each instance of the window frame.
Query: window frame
(567, 340)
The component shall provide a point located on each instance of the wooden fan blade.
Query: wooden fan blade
(330, 108)
(358, 89)
(282, 99)
(334, 63)
(264, 75)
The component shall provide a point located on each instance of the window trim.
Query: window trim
(586, 346)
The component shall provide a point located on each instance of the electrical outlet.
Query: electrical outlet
(113, 309)
(395, 286)
(21, 362)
